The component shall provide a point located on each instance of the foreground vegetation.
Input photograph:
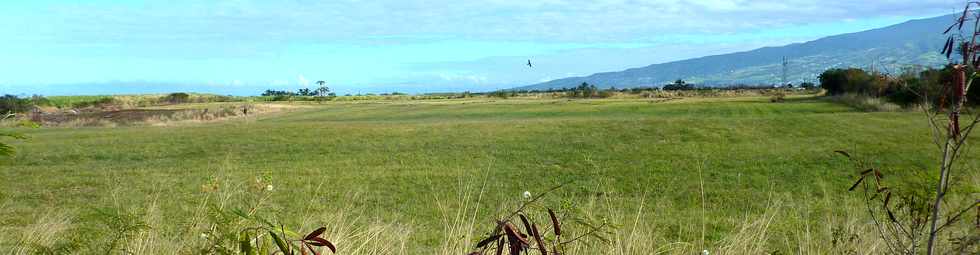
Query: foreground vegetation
(732, 175)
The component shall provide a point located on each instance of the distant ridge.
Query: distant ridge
(915, 42)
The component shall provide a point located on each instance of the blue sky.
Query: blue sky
(242, 47)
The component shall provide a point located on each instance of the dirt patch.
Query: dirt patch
(144, 116)
(118, 116)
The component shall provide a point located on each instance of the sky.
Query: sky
(243, 47)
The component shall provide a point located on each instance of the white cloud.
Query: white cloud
(406, 41)
(603, 20)
(302, 81)
(471, 78)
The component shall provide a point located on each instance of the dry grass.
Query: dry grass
(781, 226)
(866, 103)
(47, 231)
(174, 115)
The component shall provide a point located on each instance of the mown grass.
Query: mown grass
(402, 169)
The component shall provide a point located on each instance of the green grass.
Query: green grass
(71, 101)
(404, 163)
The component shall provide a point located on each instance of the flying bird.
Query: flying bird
(529, 63)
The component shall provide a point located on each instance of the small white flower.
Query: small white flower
(269, 187)
(705, 252)
(527, 195)
(204, 235)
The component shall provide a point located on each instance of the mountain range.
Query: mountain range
(892, 49)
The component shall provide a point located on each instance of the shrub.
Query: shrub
(14, 104)
(679, 85)
(500, 94)
(777, 97)
(908, 89)
(839, 81)
(101, 102)
(807, 85)
(518, 231)
(177, 98)
(866, 103)
(584, 90)
(606, 93)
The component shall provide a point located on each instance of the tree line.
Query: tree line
(321, 91)
(906, 89)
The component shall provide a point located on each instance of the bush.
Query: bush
(808, 86)
(584, 90)
(906, 90)
(101, 102)
(14, 104)
(500, 94)
(606, 94)
(852, 80)
(679, 85)
(777, 97)
(177, 98)
(866, 103)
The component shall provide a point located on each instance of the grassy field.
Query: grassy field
(729, 175)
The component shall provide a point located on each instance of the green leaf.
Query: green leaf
(263, 221)
(264, 245)
(13, 135)
(240, 213)
(7, 150)
(280, 243)
(245, 244)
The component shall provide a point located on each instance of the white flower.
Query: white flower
(204, 235)
(705, 252)
(527, 195)
(269, 187)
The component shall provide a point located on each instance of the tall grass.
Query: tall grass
(866, 103)
(789, 224)
(61, 233)
(381, 177)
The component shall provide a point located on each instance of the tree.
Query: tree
(679, 85)
(955, 135)
(852, 80)
(500, 93)
(807, 85)
(584, 90)
(177, 98)
(14, 104)
(277, 93)
(902, 213)
(305, 92)
(323, 89)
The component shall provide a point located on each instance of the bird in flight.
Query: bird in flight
(529, 63)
